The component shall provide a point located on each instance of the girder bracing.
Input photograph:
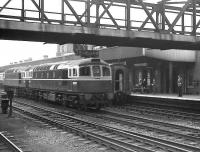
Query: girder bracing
(170, 17)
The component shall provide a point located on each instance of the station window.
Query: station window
(84, 71)
(190, 78)
(106, 71)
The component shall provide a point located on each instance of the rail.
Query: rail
(10, 144)
(122, 140)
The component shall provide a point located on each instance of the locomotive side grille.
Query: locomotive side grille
(95, 86)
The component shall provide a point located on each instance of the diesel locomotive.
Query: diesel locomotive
(79, 83)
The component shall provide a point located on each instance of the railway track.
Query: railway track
(185, 137)
(7, 145)
(111, 137)
(160, 112)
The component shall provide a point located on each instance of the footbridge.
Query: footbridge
(161, 24)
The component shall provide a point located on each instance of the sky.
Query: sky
(15, 51)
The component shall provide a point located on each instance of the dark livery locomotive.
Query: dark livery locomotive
(78, 83)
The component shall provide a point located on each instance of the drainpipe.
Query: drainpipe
(170, 77)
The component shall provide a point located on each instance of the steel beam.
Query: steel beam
(22, 11)
(145, 21)
(102, 14)
(88, 7)
(128, 15)
(62, 12)
(161, 22)
(194, 17)
(74, 12)
(97, 22)
(110, 15)
(179, 15)
(41, 11)
(88, 13)
(5, 5)
(183, 23)
(149, 14)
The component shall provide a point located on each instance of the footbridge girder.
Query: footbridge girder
(161, 24)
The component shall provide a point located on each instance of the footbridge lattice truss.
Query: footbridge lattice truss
(162, 24)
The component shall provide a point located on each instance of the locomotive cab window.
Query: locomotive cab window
(84, 71)
(96, 71)
(74, 72)
(70, 72)
(106, 71)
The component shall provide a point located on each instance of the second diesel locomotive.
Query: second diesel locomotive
(78, 83)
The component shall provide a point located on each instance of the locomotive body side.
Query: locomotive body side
(78, 83)
(16, 79)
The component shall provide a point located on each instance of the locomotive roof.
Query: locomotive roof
(68, 64)
(18, 69)
(58, 65)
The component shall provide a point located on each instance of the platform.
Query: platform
(169, 96)
(189, 102)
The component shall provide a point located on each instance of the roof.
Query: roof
(40, 62)
(68, 64)
(114, 53)
(18, 69)
(57, 65)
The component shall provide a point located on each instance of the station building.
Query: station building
(162, 65)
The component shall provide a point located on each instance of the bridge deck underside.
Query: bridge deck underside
(61, 34)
